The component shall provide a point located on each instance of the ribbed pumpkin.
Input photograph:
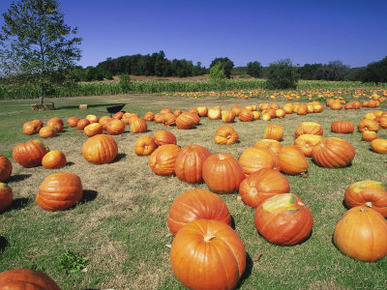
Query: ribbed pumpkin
(226, 135)
(292, 160)
(159, 118)
(369, 136)
(5, 168)
(57, 123)
(369, 193)
(368, 125)
(208, 254)
(115, 127)
(104, 120)
(253, 158)
(261, 185)
(59, 191)
(343, 127)
(93, 129)
(379, 145)
(149, 116)
(145, 145)
(228, 116)
(163, 137)
(246, 115)
(6, 196)
(236, 109)
(27, 279)
(100, 149)
(72, 121)
(54, 159)
(39, 124)
(361, 233)
(169, 119)
(186, 121)
(284, 219)
(30, 128)
(383, 120)
(118, 115)
(189, 163)
(306, 142)
(273, 145)
(196, 204)
(82, 123)
(274, 131)
(308, 128)
(222, 173)
(162, 160)
(214, 113)
(47, 132)
(202, 111)
(92, 118)
(138, 125)
(29, 154)
(333, 152)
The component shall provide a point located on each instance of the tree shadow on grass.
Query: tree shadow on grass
(19, 177)
(88, 195)
(3, 243)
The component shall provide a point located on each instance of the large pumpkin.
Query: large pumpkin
(379, 145)
(292, 160)
(254, 158)
(306, 143)
(162, 160)
(369, 193)
(226, 135)
(196, 204)
(222, 173)
(100, 149)
(361, 233)
(6, 196)
(5, 168)
(93, 129)
(261, 185)
(138, 125)
(54, 159)
(47, 132)
(26, 279)
(228, 116)
(189, 163)
(163, 137)
(333, 152)
(115, 127)
(274, 131)
(187, 121)
(273, 145)
(245, 115)
(59, 191)
(30, 128)
(283, 219)
(368, 125)
(208, 254)
(145, 145)
(30, 154)
(308, 128)
(343, 127)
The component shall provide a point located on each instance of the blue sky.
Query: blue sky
(352, 31)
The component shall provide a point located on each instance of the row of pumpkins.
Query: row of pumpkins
(199, 219)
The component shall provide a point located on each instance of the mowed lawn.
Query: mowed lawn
(120, 228)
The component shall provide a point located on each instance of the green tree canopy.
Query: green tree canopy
(36, 44)
(226, 63)
(254, 69)
(281, 75)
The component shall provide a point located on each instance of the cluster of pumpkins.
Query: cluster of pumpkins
(206, 251)
(338, 104)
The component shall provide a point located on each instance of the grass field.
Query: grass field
(119, 229)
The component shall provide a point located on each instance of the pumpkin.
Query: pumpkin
(246, 115)
(39, 124)
(368, 125)
(193, 111)
(280, 113)
(72, 121)
(115, 127)
(261, 185)
(214, 113)
(236, 110)
(283, 219)
(30, 128)
(47, 132)
(6, 196)
(29, 154)
(177, 112)
(302, 109)
(228, 116)
(266, 117)
(292, 160)
(54, 159)
(149, 116)
(208, 254)
(92, 118)
(273, 145)
(383, 121)
(369, 193)
(57, 123)
(59, 191)
(56, 120)
(253, 158)
(361, 233)
(196, 204)
(82, 123)
(27, 279)
(159, 118)
(166, 110)
(100, 149)
(104, 120)
(162, 160)
(189, 163)
(379, 145)
(369, 136)
(306, 142)
(288, 108)
(163, 137)
(257, 115)
(251, 107)
(333, 152)
(5, 168)
(202, 111)
(145, 145)
(138, 125)
(263, 106)
(93, 129)
(308, 128)
(343, 127)
(226, 135)
(186, 121)
(169, 119)
(273, 131)
(222, 173)
(118, 115)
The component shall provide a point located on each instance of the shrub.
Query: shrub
(281, 75)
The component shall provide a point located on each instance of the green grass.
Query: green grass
(118, 233)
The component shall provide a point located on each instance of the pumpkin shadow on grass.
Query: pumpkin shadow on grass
(19, 177)
(19, 203)
(88, 195)
(119, 157)
(70, 164)
(3, 243)
(246, 274)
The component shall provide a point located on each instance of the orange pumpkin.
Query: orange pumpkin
(30, 154)
(82, 123)
(274, 131)
(343, 127)
(308, 128)
(100, 149)
(47, 132)
(368, 125)
(186, 121)
(228, 116)
(361, 233)
(246, 115)
(222, 173)
(59, 191)
(162, 160)
(306, 143)
(5, 168)
(196, 204)
(115, 127)
(273, 145)
(149, 116)
(27, 279)
(333, 152)
(202, 111)
(163, 137)
(369, 136)
(72, 121)
(57, 123)
(138, 125)
(145, 145)
(214, 113)
(54, 159)
(169, 119)
(226, 135)
(379, 145)
(253, 158)
(93, 129)
(292, 160)
(6, 196)
(236, 109)
(92, 118)
(104, 120)
(189, 163)
(30, 128)
(208, 254)
(261, 185)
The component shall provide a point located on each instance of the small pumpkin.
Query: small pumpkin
(104, 120)
(214, 113)
(228, 116)
(100, 149)
(149, 116)
(163, 137)
(226, 135)
(72, 121)
(82, 123)
(145, 145)
(333, 152)
(30, 128)
(361, 233)
(5, 168)
(274, 131)
(30, 154)
(246, 115)
(369, 135)
(162, 160)
(379, 145)
(6, 196)
(59, 191)
(208, 254)
(186, 121)
(196, 204)
(202, 111)
(92, 118)
(138, 125)
(342, 127)
(54, 159)
(283, 219)
(47, 132)
(306, 143)
(57, 123)
(292, 160)
(115, 127)
(93, 129)
(308, 128)
(27, 279)
(169, 119)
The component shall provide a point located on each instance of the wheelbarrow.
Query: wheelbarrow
(114, 109)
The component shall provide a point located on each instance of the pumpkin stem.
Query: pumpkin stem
(209, 237)
(368, 204)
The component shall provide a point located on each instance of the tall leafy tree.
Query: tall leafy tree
(35, 43)
(226, 63)
(254, 69)
(281, 75)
